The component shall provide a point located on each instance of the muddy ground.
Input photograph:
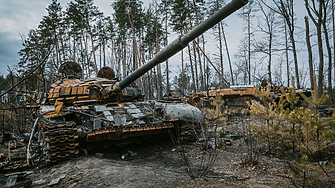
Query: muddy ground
(161, 164)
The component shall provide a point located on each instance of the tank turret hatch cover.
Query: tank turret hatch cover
(106, 72)
(70, 69)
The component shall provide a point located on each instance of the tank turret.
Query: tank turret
(71, 90)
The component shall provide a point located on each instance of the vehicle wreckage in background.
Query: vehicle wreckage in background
(103, 110)
(235, 98)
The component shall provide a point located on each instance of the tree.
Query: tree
(55, 17)
(90, 13)
(198, 5)
(218, 32)
(121, 24)
(267, 25)
(165, 9)
(327, 40)
(285, 8)
(317, 11)
(178, 21)
(159, 72)
(247, 15)
(310, 53)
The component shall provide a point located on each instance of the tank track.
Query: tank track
(16, 158)
(60, 141)
(190, 132)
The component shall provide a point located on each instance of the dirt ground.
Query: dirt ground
(161, 165)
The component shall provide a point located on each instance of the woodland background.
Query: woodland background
(78, 31)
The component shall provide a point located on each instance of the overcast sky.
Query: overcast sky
(19, 16)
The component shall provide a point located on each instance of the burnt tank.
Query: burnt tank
(85, 113)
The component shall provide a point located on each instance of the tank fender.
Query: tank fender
(184, 112)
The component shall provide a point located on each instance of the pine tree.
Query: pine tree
(300, 133)
(270, 111)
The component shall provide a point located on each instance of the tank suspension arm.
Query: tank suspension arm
(180, 43)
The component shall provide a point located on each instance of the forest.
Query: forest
(274, 47)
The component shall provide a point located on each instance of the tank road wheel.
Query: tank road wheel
(59, 141)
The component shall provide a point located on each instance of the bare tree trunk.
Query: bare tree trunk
(318, 25)
(57, 53)
(192, 70)
(151, 88)
(220, 44)
(310, 53)
(333, 19)
(62, 43)
(159, 72)
(286, 54)
(74, 47)
(150, 77)
(287, 11)
(135, 48)
(321, 63)
(182, 71)
(91, 35)
(82, 55)
(228, 55)
(117, 60)
(100, 54)
(195, 81)
(104, 48)
(196, 66)
(124, 60)
(87, 58)
(141, 59)
(329, 51)
(167, 61)
(197, 48)
(200, 65)
(270, 56)
(70, 50)
(249, 49)
(204, 60)
(221, 54)
(295, 56)
(295, 61)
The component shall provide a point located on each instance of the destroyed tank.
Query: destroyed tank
(86, 113)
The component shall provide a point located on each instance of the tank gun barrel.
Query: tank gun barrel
(181, 42)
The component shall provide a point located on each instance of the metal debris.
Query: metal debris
(54, 182)
(11, 181)
(129, 155)
(39, 182)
